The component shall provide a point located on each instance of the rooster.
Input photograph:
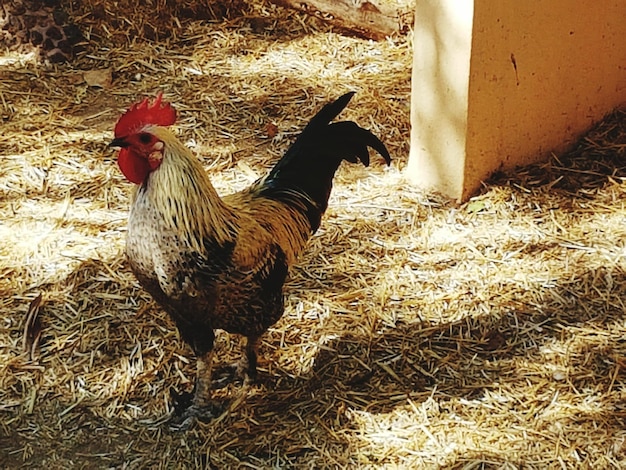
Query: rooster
(216, 262)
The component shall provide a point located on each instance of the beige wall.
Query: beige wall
(439, 94)
(474, 112)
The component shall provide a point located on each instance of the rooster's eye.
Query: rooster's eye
(145, 138)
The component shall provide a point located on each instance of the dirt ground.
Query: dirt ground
(418, 333)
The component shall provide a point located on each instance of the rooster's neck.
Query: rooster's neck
(186, 201)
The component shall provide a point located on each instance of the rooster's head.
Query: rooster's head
(141, 150)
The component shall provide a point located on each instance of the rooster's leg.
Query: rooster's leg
(202, 395)
(243, 370)
(250, 372)
(202, 407)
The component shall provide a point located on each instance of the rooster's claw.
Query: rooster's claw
(187, 419)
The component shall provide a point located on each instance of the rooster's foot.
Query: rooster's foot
(188, 418)
(186, 412)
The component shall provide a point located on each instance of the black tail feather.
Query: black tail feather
(303, 177)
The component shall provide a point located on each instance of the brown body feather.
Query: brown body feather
(211, 262)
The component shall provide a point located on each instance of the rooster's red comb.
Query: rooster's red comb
(138, 115)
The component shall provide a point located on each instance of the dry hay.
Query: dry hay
(418, 334)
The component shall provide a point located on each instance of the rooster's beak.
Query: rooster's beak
(119, 142)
